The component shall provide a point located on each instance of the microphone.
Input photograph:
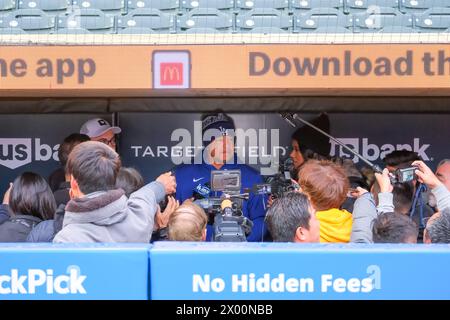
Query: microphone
(291, 117)
(226, 207)
(201, 191)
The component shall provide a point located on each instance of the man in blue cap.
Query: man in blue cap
(194, 179)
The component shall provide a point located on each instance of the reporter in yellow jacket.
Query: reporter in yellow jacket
(326, 185)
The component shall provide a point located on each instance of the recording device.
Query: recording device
(225, 212)
(398, 176)
(280, 183)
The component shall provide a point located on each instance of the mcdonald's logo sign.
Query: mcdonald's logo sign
(171, 69)
(171, 74)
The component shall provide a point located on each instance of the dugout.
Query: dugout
(380, 96)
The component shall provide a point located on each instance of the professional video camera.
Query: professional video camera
(398, 176)
(280, 183)
(225, 212)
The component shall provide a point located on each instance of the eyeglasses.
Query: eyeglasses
(110, 142)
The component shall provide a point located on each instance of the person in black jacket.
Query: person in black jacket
(29, 202)
(57, 180)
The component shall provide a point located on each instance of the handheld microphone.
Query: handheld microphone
(201, 191)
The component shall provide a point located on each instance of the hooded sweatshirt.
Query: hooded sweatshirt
(111, 217)
(335, 225)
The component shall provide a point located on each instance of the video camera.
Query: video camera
(225, 212)
(279, 184)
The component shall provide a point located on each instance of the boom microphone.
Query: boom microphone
(291, 117)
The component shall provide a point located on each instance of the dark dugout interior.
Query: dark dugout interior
(361, 104)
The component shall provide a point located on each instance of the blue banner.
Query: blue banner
(234, 271)
(50, 272)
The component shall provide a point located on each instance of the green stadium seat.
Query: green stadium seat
(29, 20)
(320, 18)
(162, 5)
(355, 6)
(147, 18)
(205, 18)
(208, 4)
(263, 18)
(93, 20)
(107, 6)
(49, 6)
(262, 4)
(7, 5)
(301, 5)
(433, 20)
(418, 6)
(378, 18)
(136, 30)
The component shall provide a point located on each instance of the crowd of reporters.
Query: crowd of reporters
(92, 198)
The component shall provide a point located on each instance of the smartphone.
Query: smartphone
(171, 69)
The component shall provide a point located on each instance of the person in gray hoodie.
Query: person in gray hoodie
(97, 211)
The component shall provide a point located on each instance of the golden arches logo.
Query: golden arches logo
(171, 71)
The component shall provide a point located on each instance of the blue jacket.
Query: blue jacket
(190, 176)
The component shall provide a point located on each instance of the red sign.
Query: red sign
(171, 73)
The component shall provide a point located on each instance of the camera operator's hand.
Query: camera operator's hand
(162, 218)
(358, 192)
(169, 182)
(7, 193)
(384, 181)
(425, 175)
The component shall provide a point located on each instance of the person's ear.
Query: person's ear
(204, 235)
(300, 235)
(74, 191)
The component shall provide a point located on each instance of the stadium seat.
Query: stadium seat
(11, 31)
(49, 6)
(136, 30)
(331, 30)
(107, 6)
(397, 29)
(355, 6)
(208, 4)
(7, 5)
(257, 4)
(433, 20)
(93, 20)
(268, 30)
(205, 18)
(204, 30)
(162, 5)
(263, 18)
(375, 20)
(29, 20)
(321, 17)
(72, 31)
(147, 18)
(301, 5)
(418, 6)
